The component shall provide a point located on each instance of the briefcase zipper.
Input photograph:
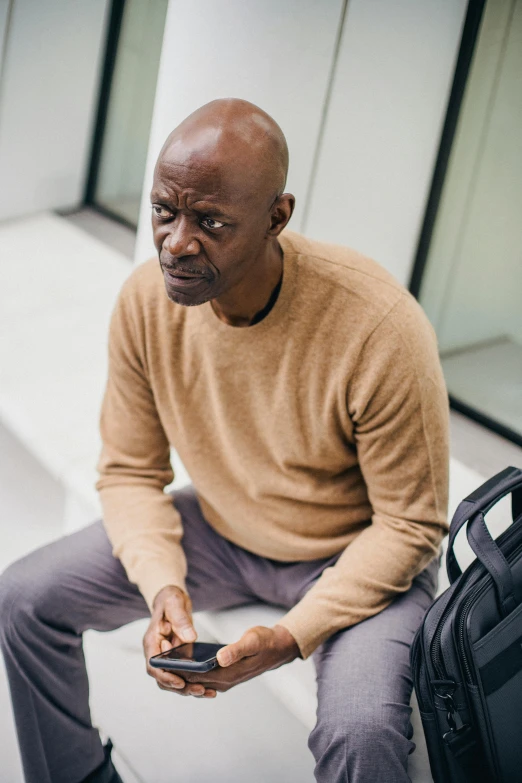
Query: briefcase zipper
(437, 657)
(438, 663)
(461, 636)
(417, 663)
(436, 646)
(462, 622)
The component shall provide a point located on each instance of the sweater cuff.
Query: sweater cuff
(157, 576)
(308, 632)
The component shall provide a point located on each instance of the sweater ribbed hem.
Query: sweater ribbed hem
(308, 635)
(154, 577)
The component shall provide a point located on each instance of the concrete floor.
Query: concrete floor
(488, 377)
(119, 237)
(479, 448)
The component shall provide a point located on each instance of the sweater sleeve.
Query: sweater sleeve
(398, 404)
(134, 467)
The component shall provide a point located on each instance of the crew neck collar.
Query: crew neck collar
(276, 314)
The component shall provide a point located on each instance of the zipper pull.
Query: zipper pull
(453, 717)
(445, 689)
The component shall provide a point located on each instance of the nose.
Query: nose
(180, 241)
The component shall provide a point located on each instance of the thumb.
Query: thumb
(177, 612)
(249, 644)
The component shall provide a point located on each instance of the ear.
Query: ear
(281, 213)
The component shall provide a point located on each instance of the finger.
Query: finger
(206, 694)
(209, 694)
(190, 689)
(249, 644)
(202, 678)
(171, 690)
(154, 644)
(165, 628)
(156, 633)
(151, 642)
(168, 679)
(178, 615)
(195, 690)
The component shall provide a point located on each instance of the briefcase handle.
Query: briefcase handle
(493, 560)
(479, 502)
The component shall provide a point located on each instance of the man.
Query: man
(301, 386)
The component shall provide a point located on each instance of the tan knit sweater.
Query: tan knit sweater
(322, 428)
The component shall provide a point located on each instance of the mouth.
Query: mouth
(178, 280)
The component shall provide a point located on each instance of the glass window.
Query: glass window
(472, 285)
(119, 178)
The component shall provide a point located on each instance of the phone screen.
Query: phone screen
(193, 651)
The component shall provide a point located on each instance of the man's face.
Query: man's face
(208, 228)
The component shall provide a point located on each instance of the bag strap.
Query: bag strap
(468, 753)
(493, 560)
(482, 500)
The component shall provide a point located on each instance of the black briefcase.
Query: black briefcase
(466, 657)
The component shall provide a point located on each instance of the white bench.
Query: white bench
(53, 331)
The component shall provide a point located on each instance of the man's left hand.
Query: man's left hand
(258, 650)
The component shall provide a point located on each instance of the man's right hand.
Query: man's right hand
(171, 625)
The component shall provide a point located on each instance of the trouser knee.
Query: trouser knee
(363, 741)
(19, 598)
(356, 734)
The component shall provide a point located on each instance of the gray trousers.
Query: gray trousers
(51, 596)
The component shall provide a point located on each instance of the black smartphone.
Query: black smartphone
(191, 657)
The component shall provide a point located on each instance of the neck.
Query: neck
(239, 305)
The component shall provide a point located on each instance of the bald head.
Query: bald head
(218, 206)
(235, 139)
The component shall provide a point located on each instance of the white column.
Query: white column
(276, 54)
(390, 91)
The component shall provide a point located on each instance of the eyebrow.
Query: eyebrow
(212, 212)
(158, 198)
(203, 209)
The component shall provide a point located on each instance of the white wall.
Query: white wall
(275, 53)
(4, 15)
(388, 104)
(49, 92)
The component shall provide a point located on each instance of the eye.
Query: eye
(209, 222)
(161, 212)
